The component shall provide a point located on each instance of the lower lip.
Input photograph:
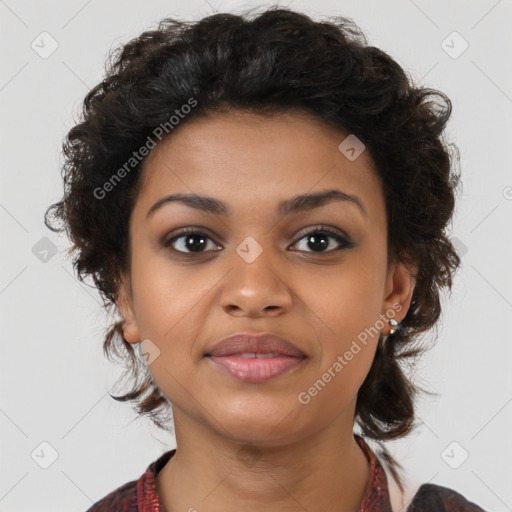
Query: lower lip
(255, 369)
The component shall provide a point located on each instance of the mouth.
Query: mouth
(256, 367)
(255, 358)
(249, 343)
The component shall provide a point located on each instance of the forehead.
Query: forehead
(247, 159)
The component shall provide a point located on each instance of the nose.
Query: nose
(257, 288)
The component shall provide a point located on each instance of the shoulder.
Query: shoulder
(129, 496)
(441, 499)
(122, 499)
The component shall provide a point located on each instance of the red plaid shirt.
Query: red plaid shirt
(141, 496)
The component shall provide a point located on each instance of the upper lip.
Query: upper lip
(260, 343)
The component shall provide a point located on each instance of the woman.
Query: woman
(264, 201)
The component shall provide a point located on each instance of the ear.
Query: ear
(125, 306)
(400, 283)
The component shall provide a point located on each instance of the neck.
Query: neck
(326, 471)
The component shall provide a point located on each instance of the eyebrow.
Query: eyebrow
(300, 203)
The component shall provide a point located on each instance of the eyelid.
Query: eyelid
(186, 231)
(343, 239)
(325, 228)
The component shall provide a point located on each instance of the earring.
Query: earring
(394, 323)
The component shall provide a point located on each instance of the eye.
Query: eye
(321, 237)
(191, 239)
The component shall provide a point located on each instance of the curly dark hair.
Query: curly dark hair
(269, 63)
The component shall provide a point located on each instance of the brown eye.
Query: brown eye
(324, 240)
(190, 241)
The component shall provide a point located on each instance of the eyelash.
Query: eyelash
(345, 242)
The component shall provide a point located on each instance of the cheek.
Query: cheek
(166, 296)
(349, 304)
(345, 359)
(349, 299)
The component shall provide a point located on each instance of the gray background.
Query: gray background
(53, 375)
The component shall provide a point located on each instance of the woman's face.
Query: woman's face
(261, 267)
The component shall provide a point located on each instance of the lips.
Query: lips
(249, 344)
(256, 370)
(255, 358)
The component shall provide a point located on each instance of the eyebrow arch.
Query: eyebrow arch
(300, 203)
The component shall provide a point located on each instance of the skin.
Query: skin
(243, 446)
